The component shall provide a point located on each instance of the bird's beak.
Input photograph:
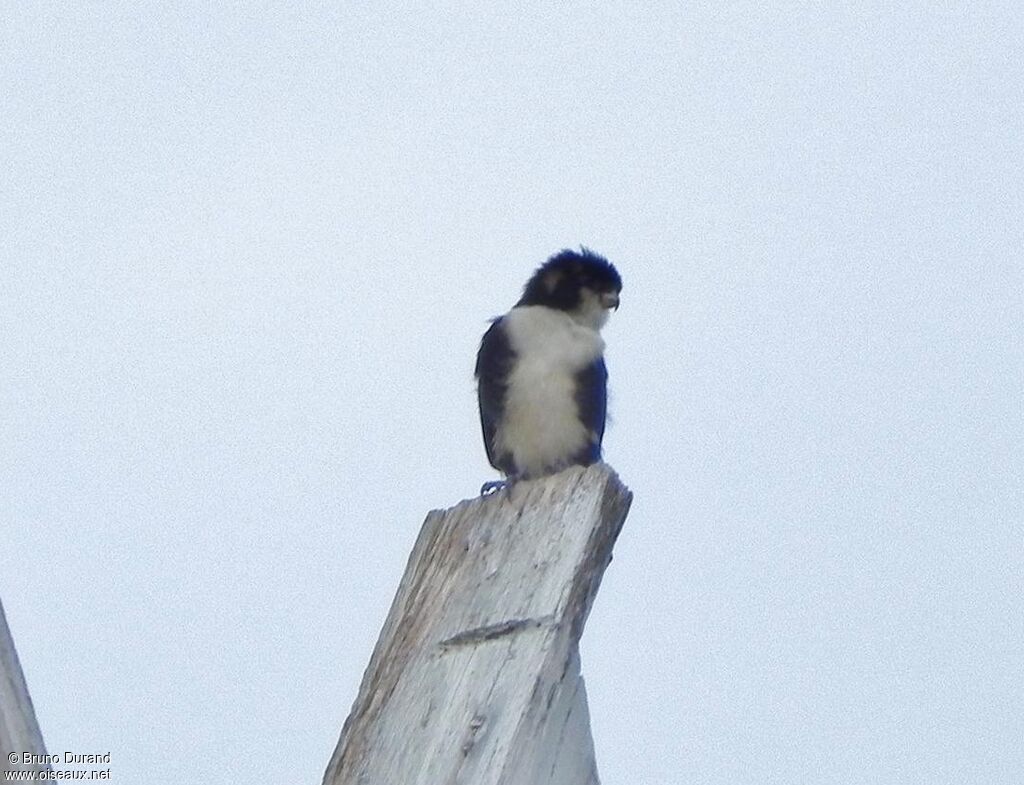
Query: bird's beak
(610, 300)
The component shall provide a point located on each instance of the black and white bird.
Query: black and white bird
(542, 381)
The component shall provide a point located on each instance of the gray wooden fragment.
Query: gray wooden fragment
(476, 676)
(19, 731)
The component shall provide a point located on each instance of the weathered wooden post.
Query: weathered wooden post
(475, 678)
(19, 731)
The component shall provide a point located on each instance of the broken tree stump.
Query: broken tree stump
(476, 675)
(19, 731)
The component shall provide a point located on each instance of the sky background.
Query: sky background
(247, 251)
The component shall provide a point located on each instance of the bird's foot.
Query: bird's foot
(490, 487)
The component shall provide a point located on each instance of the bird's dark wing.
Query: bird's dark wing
(592, 404)
(493, 366)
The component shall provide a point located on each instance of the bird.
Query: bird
(541, 375)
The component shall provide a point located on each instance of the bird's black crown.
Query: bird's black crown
(558, 282)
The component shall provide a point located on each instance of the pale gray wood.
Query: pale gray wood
(19, 731)
(475, 678)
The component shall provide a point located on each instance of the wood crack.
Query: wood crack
(490, 632)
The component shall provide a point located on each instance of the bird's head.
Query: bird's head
(584, 285)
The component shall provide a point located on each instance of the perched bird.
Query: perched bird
(541, 377)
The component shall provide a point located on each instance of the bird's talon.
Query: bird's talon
(490, 487)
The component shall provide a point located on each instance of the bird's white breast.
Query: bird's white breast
(541, 425)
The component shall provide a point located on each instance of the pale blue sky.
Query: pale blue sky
(247, 252)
